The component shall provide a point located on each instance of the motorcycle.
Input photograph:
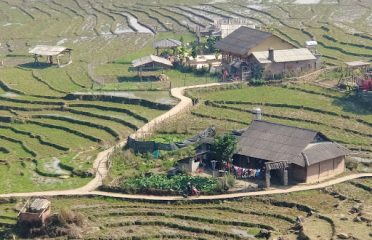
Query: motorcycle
(190, 192)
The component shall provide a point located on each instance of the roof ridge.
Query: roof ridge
(280, 124)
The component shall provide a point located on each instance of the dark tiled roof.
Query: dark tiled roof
(277, 142)
(242, 40)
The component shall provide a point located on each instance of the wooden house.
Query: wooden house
(242, 42)
(289, 153)
(247, 48)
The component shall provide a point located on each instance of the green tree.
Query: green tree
(224, 147)
(194, 50)
(211, 42)
(257, 72)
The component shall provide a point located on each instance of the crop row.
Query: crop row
(21, 143)
(177, 227)
(40, 138)
(214, 104)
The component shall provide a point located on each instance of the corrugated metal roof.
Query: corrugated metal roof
(318, 152)
(357, 64)
(148, 59)
(242, 40)
(45, 50)
(276, 142)
(39, 204)
(167, 43)
(286, 55)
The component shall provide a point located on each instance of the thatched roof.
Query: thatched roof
(286, 55)
(45, 50)
(167, 43)
(242, 40)
(276, 142)
(149, 59)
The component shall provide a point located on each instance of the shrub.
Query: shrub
(351, 165)
(67, 217)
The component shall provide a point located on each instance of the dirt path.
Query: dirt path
(100, 165)
(291, 189)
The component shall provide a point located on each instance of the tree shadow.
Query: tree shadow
(356, 102)
(33, 65)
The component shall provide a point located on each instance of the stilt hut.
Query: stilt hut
(53, 54)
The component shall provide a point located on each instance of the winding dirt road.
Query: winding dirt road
(100, 166)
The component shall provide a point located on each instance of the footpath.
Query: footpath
(100, 166)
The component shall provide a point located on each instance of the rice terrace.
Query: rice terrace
(220, 119)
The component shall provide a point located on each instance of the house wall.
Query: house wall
(325, 169)
(289, 67)
(297, 173)
(35, 218)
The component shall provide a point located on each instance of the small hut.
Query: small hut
(351, 77)
(35, 212)
(167, 44)
(53, 54)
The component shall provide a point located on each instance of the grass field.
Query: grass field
(321, 213)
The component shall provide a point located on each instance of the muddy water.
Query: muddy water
(136, 25)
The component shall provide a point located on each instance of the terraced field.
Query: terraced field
(341, 117)
(46, 136)
(322, 215)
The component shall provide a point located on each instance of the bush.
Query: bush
(230, 180)
(351, 165)
(67, 217)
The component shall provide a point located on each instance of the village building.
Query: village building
(276, 63)
(35, 212)
(151, 63)
(167, 44)
(289, 154)
(247, 48)
(54, 54)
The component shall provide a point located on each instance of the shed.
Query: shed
(51, 52)
(151, 63)
(35, 212)
(308, 156)
(166, 44)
